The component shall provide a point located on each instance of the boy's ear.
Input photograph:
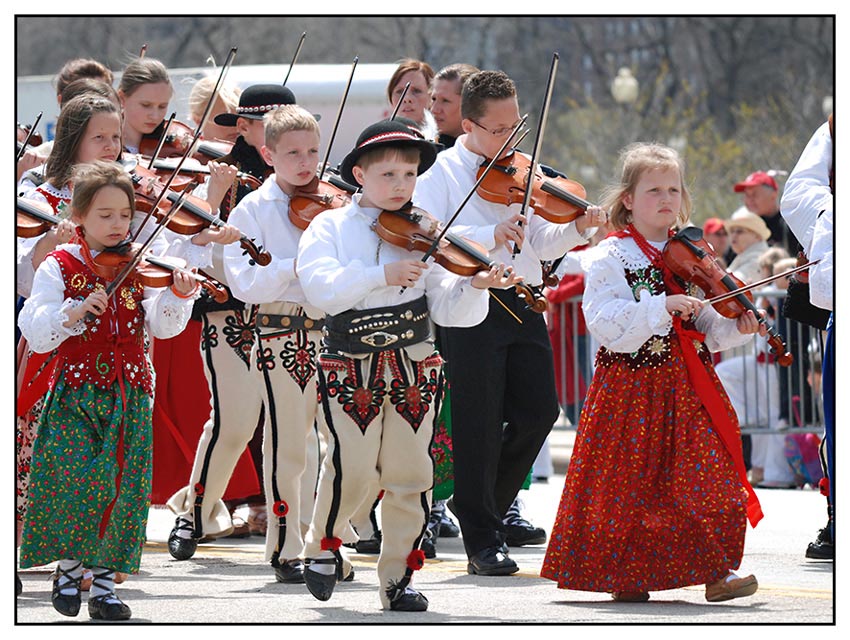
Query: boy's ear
(357, 172)
(466, 125)
(242, 126)
(266, 154)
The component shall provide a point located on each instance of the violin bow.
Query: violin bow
(26, 141)
(162, 139)
(128, 268)
(295, 57)
(143, 50)
(472, 191)
(538, 140)
(227, 63)
(324, 164)
(755, 285)
(400, 100)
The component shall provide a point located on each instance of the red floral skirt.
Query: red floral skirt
(651, 499)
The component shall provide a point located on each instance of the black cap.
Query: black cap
(256, 101)
(388, 133)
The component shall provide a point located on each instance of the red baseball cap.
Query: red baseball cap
(713, 225)
(755, 179)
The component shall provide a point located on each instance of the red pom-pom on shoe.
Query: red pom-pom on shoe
(331, 544)
(823, 485)
(416, 560)
(280, 508)
(199, 489)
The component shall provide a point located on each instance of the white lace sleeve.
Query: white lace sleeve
(613, 316)
(721, 333)
(166, 313)
(46, 310)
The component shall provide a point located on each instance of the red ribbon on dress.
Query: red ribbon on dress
(714, 403)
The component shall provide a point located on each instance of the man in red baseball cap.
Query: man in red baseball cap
(761, 196)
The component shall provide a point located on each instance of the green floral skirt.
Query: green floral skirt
(90, 479)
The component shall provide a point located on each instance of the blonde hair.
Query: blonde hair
(636, 159)
(202, 91)
(289, 117)
(91, 177)
(399, 153)
(771, 259)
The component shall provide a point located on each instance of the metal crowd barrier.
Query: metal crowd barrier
(771, 399)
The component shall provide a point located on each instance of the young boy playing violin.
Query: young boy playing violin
(227, 339)
(379, 375)
(501, 371)
(283, 363)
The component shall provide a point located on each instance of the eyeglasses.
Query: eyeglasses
(499, 133)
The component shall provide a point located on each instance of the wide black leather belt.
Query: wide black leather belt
(372, 330)
(288, 323)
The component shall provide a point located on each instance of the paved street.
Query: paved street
(227, 581)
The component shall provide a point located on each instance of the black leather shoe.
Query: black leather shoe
(67, 605)
(182, 548)
(19, 586)
(428, 547)
(448, 528)
(822, 548)
(108, 607)
(491, 562)
(411, 600)
(521, 534)
(288, 571)
(319, 585)
(369, 545)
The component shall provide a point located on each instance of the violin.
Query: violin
(313, 198)
(151, 271)
(25, 131)
(692, 259)
(415, 229)
(33, 218)
(165, 168)
(177, 137)
(558, 200)
(194, 215)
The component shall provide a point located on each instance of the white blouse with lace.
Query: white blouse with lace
(623, 317)
(45, 311)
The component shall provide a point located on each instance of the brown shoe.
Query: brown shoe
(724, 589)
(240, 528)
(630, 596)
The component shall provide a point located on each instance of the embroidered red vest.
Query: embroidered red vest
(112, 348)
(57, 203)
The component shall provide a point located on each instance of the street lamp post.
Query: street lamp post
(625, 87)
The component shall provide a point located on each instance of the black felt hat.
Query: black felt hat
(256, 101)
(388, 133)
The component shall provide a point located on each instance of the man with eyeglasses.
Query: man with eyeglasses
(501, 372)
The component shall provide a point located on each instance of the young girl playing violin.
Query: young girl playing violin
(91, 472)
(145, 91)
(88, 129)
(656, 494)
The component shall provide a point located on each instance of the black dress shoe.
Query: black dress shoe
(288, 571)
(67, 604)
(822, 548)
(320, 585)
(523, 533)
(491, 562)
(411, 600)
(448, 528)
(182, 548)
(108, 607)
(428, 547)
(369, 545)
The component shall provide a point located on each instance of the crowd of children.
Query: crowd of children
(335, 347)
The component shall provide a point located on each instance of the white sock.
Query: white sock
(324, 569)
(103, 584)
(74, 569)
